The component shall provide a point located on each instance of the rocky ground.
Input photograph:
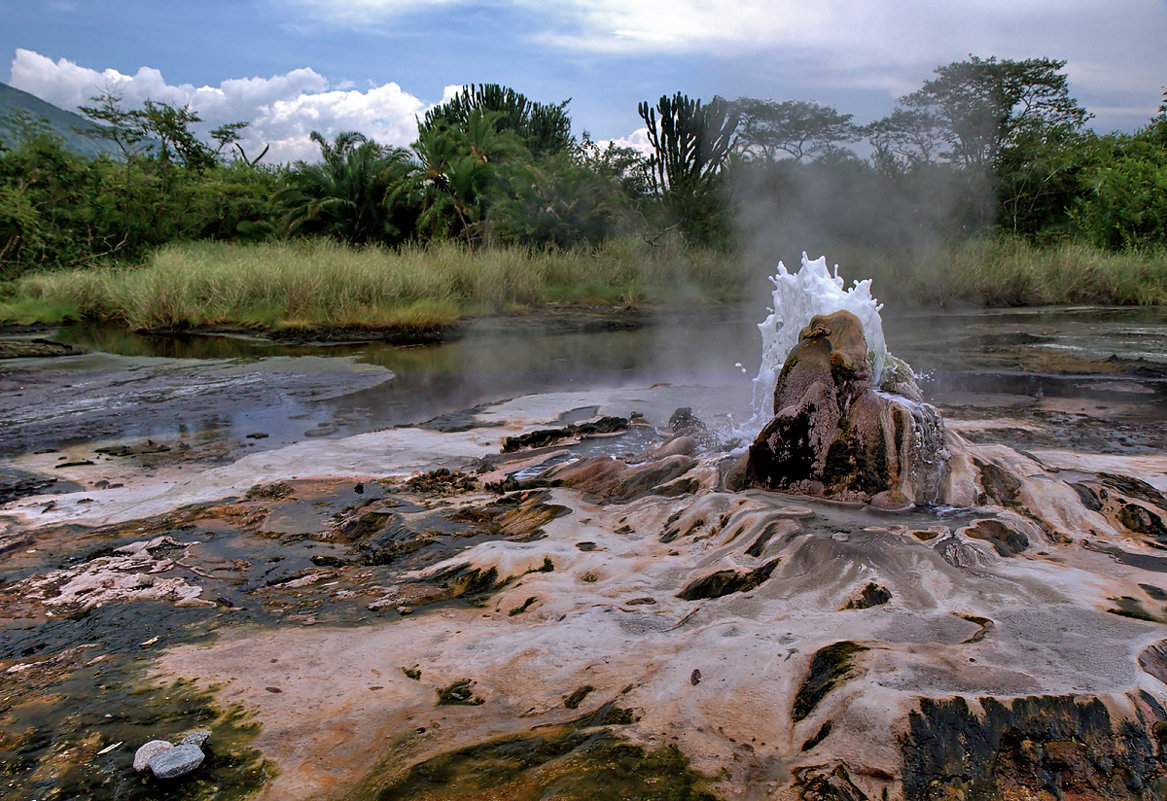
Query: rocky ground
(414, 613)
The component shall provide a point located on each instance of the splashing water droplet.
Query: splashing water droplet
(798, 297)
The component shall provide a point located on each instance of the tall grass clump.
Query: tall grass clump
(1008, 271)
(322, 284)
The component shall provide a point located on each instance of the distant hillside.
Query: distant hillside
(69, 126)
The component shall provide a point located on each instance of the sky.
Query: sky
(289, 67)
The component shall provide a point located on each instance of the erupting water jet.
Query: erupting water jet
(848, 421)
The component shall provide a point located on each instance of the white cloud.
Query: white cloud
(637, 140)
(282, 109)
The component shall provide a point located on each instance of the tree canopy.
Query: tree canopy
(798, 128)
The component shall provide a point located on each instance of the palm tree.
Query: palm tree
(353, 193)
(461, 171)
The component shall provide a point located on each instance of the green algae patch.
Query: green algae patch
(573, 764)
(76, 743)
(829, 666)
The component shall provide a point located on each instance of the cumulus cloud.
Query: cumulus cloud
(282, 110)
(637, 140)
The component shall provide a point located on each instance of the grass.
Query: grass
(1013, 272)
(320, 285)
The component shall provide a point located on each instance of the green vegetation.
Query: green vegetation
(573, 763)
(320, 283)
(984, 185)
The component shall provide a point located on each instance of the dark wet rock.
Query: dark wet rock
(442, 482)
(1035, 747)
(1005, 540)
(1132, 608)
(518, 610)
(1128, 502)
(1153, 660)
(871, 595)
(833, 436)
(178, 761)
(1155, 592)
(576, 698)
(139, 449)
(829, 666)
(683, 419)
(16, 484)
(148, 751)
(462, 420)
(198, 737)
(758, 546)
(549, 436)
(33, 348)
(1142, 520)
(460, 693)
(821, 783)
(271, 492)
(999, 487)
(1134, 488)
(1088, 495)
(822, 734)
(726, 582)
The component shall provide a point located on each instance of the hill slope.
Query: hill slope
(15, 103)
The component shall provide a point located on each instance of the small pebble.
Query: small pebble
(198, 738)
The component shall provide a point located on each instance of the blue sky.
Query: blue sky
(291, 66)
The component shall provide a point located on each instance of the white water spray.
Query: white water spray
(797, 298)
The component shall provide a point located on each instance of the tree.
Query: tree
(158, 130)
(352, 194)
(545, 128)
(903, 138)
(227, 134)
(690, 140)
(462, 173)
(798, 128)
(976, 108)
(1121, 201)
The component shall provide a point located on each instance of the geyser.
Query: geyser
(798, 297)
(833, 433)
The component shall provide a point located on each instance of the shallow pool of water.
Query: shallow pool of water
(258, 394)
